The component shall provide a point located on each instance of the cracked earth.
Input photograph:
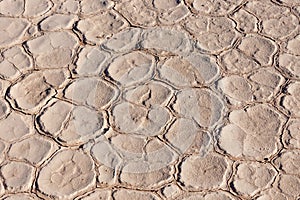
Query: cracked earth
(150, 99)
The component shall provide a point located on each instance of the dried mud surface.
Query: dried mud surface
(150, 99)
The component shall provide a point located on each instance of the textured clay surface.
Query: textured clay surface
(149, 100)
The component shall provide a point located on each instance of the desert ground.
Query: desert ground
(149, 99)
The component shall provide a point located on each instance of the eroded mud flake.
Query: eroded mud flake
(35, 8)
(262, 85)
(34, 149)
(93, 6)
(185, 136)
(131, 151)
(18, 176)
(180, 72)
(170, 191)
(194, 70)
(129, 118)
(235, 61)
(68, 173)
(213, 34)
(53, 117)
(170, 11)
(58, 22)
(53, 49)
(259, 48)
(56, 78)
(91, 61)
(271, 194)
(214, 7)
(288, 162)
(15, 126)
(174, 15)
(291, 138)
(255, 130)
(84, 124)
(106, 175)
(236, 87)
(124, 41)
(164, 41)
(206, 65)
(73, 125)
(137, 12)
(208, 107)
(13, 62)
(136, 170)
(246, 22)
(23, 96)
(151, 94)
(132, 68)
(249, 178)
(289, 185)
(4, 108)
(291, 63)
(147, 180)
(97, 28)
(12, 31)
(92, 92)
(165, 4)
(158, 157)
(205, 173)
(105, 154)
(281, 27)
(293, 46)
(266, 83)
(291, 101)
(68, 6)
(277, 21)
(13, 8)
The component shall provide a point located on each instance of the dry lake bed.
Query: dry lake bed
(149, 99)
